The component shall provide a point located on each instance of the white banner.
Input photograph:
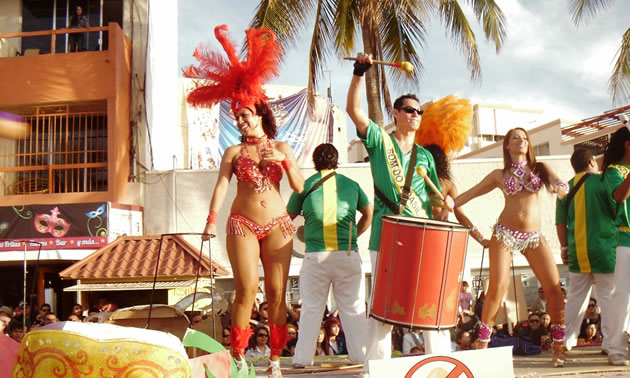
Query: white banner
(492, 362)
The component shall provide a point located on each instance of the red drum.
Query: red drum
(418, 272)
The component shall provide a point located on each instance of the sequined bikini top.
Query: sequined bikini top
(247, 170)
(516, 182)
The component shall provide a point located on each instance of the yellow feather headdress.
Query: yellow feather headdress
(446, 123)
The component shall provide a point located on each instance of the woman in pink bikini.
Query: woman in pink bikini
(518, 231)
(258, 226)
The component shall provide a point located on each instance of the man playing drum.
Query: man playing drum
(329, 203)
(390, 156)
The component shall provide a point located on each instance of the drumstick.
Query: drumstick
(350, 239)
(422, 172)
(404, 66)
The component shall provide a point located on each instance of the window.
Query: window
(65, 153)
(542, 149)
(38, 15)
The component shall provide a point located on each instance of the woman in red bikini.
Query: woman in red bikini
(258, 226)
(518, 230)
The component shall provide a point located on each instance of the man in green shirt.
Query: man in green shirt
(587, 235)
(617, 181)
(329, 204)
(390, 155)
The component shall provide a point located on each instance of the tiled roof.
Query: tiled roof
(132, 258)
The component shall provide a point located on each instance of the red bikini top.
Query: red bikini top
(247, 170)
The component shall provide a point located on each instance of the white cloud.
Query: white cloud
(546, 63)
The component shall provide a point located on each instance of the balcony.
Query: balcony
(77, 106)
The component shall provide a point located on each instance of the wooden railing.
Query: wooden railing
(54, 32)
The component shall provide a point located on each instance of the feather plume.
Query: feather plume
(232, 79)
(446, 123)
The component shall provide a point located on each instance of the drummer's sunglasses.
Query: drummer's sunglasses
(411, 109)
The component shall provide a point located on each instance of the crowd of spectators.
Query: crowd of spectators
(331, 340)
(15, 321)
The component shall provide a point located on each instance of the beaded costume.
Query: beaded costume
(247, 170)
(516, 182)
(516, 240)
(235, 221)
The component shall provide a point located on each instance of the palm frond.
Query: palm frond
(461, 33)
(321, 44)
(492, 19)
(403, 33)
(287, 18)
(583, 10)
(346, 23)
(619, 83)
(381, 76)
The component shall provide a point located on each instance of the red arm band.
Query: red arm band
(212, 218)
(286, 164)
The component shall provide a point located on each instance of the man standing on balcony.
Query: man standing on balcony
(77, 40)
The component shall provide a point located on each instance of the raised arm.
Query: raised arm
(492, 180)
(220, 190)
(296, 180)
(353, 102)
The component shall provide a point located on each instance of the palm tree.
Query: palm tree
(619, 82)
(391, 30)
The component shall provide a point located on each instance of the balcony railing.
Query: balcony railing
(52, 33)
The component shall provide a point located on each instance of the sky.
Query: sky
(546, 62)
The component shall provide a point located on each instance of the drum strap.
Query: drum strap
(395, 168)
(317, 184)
(574, 190)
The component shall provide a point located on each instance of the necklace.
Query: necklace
(520, 169)
(255, 140)
(520, 165)
(261, 143)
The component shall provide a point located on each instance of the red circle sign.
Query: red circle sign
(458, 368)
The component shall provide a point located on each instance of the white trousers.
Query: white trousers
(320, 270)
(380, 334)
(621, 302)
(580, 285)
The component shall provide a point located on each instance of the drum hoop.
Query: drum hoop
(407, 325)
(425, 223)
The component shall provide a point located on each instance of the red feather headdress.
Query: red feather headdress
(231, 79)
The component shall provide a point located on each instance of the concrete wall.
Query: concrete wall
(550, 133)
(178, 201)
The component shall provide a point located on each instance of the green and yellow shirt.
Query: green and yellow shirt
(329, 211)
(614, 176)
(380, 157)
(591, 230)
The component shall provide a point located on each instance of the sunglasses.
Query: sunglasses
(226, 335)
(591, 305)
(262, 335)
(534, 321)
(411, 110)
